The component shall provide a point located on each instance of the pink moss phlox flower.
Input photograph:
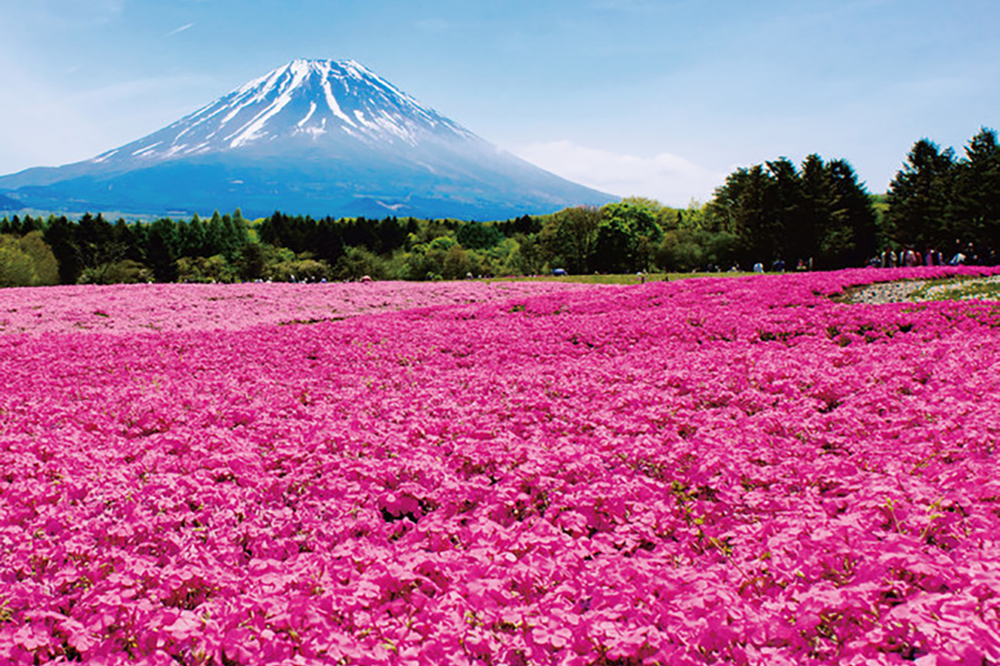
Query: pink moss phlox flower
(724, 470)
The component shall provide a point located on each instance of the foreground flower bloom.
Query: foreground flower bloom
(709, 471)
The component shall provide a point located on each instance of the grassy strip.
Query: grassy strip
(626, 278)
(959, 289)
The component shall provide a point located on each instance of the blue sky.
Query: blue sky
(658, 98)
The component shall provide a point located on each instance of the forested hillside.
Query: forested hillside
(939, 208)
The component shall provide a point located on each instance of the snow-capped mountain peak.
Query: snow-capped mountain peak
(318, 137)
(309, 100)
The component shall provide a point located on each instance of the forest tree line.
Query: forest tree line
(778, 214)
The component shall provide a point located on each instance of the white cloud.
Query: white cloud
(670, 179)
(179, 30)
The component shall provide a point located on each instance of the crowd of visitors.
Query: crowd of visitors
(968, 254)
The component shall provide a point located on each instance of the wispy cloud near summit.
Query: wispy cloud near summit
(177, 31)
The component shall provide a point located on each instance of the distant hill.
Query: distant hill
(313, 137)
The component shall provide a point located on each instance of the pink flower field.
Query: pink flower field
(174, 307)
(711, 471)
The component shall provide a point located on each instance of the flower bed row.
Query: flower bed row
(710, 471)
(142, 308)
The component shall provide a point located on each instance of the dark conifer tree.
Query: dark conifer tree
(162, 250)
(61, 237)
(920, 197)
(976, 209)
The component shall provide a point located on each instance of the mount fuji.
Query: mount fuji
(315, 137)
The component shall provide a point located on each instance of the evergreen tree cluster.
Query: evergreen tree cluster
(93, 250)
(949, 204)
(818, 215)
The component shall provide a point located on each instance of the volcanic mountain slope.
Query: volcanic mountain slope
(313, 137)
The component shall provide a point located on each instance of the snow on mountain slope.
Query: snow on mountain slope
(313, 101)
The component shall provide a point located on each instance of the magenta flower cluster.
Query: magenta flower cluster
(738, 471)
